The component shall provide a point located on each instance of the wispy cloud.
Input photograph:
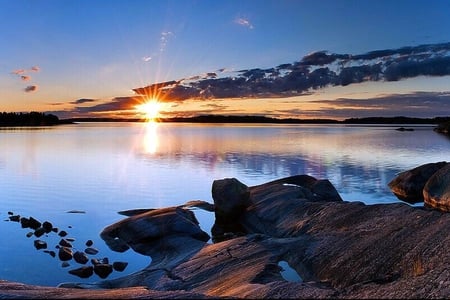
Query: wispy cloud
(21, 73)
(243, 22)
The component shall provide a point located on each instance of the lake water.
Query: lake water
(103, 168)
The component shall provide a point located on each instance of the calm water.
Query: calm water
(103, 168)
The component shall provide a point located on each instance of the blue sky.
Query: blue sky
(55, 53)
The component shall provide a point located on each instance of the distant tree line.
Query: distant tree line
(28, 119)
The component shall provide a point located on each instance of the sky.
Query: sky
(286, 58)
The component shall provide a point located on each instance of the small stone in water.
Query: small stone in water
(65, 253)
(89, 243)
(65, 243)
(103, 270)
(80, 257)
(83, 272)
(15, 218)
(47, 226)
(62, 233)
(33, 223)
(39, 231)
(91, 250)
(119, 265)
(39, 244)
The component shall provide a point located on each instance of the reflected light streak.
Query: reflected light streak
(151, 139)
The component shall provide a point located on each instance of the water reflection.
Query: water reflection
(151, 139)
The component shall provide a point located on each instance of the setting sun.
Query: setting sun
(150, 109)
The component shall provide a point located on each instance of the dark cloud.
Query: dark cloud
(116, 104)
(31, 88)
(314, 71)
(420, 104)
(82, 100)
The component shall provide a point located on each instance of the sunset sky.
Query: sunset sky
(301, 58)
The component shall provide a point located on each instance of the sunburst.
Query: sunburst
(149, 109)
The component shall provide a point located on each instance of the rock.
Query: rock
(65, 253)
(404, 129)
(65, 243)
(83, 272)
(158, 233)
(97, 261)
(91, 250)
(33, 223)
(103, 270)
(30, 234)
(119, 265)
(436, 192)
(15, 218)
(65, 264)
(39, 232)
(80, 257)
(25, 222)
(39, 244)
(89, 243)
(62, 233)
(47, 226)
(230, 201)
(408, 185)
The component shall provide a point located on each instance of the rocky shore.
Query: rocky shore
(335, 248)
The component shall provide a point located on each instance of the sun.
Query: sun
(150, 109)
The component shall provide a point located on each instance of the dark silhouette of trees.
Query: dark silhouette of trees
(28, 119)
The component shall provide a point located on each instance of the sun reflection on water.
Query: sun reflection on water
(150, 140)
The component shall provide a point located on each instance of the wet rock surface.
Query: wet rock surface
(339, 249)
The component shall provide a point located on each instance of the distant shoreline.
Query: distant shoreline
(268, 120)
(42, 119)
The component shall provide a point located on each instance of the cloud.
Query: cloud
(419, 104)
(25, 77)
(314, 71)
(31, 88)
(243, 22)
(18, 72)
(82, 100)
(35, 68)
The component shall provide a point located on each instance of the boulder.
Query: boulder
(436, 192)
(408, 185)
